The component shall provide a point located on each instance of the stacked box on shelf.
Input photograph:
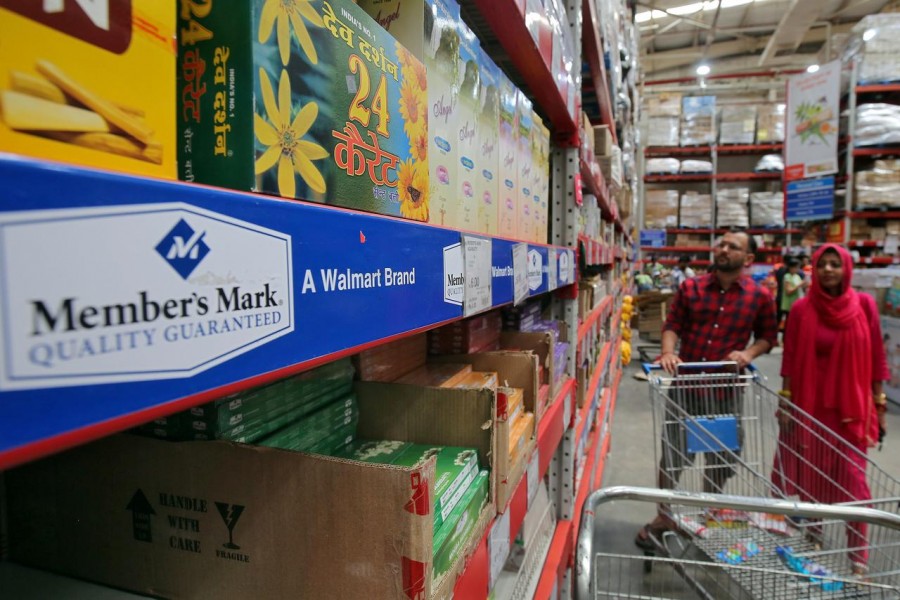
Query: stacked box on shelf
(513, 369)
(391, 361)
(770, 120)
(660, 209)
(667, 104)
(247, 416)
(663, 131)
(738, 124)
(263, 110)
(371, 514)
(522, 317)
(879, 186)
(58, 101)
(586, 137)
(488, 176)
(602, 140)
(875, 42)
(525, 120)
(436, 375)
(474, 334)
(684, 240)
(461, 526)
(508, 207)
(662, 166)
(731, 207)
(468, 165)
(767, 209)
(698, 120)
(325, 431)
(540, 187)
(696, 210)
(544, 344)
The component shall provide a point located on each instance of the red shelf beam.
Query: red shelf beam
(873, 214)
(695, 249)
(886, 151)
(507, 23)
(677, 151)
(878, 88)
(676, 178)
(754, 231)
(865, 244)
(592, 49)
(748, 176)
(749, 149)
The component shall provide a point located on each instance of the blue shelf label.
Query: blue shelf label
(655, 238)
(810, 199)
(114, 299)
(538, 260)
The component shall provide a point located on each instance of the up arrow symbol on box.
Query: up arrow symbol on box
(141, 511)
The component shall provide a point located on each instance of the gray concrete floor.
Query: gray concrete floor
(632, 460)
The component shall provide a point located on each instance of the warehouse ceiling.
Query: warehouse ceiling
(733, 36)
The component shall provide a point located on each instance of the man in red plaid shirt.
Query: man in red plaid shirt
(714, 317)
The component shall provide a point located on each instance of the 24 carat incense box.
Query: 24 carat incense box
(310, 100)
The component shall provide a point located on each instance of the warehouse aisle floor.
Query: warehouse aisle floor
(631, 460)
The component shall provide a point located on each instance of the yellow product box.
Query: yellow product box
(539, 162)
(446, 375)
(522, 431)
(510, 403)
(477, 380)
(90, 83)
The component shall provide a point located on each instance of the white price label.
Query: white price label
(520, 272)
(477, 257)
(891, 244)
(498, 545)
(551, 270)
(567, 411)
(534, 475)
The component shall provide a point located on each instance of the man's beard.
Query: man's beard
(729, 266)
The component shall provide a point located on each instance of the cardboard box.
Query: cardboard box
(75, 84)
(220, 509)
(488, 175)
(467, 166)
(515, 369)
(602, 140)
(525, 218)
(510, 403)
(540, 343)
(522, 432)
(437, 375)
(509, 141)
(335, 112)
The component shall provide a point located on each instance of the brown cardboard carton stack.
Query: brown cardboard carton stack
(389, 362)
(218, 520)
(652, 308)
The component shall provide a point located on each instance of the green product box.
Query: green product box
(304, 433)
(487, 190)
(454, 471)
(309, 100)
(383, 452)
(451, 538)
(332, 444)
(466, 119)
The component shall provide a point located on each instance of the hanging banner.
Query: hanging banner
(811, 132)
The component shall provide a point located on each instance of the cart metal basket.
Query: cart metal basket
(724, 432)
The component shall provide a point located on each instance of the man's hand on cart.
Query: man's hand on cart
(741, 357)
(669, 361)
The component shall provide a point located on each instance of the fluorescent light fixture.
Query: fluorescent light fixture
(812, 68)
(869, 34)
(690, 9)
(687, 9)
(642, 17)
(703, 70)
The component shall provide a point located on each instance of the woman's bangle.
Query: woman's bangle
(785, 393)
(880, 399)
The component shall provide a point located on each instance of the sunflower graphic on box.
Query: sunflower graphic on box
(340, 109)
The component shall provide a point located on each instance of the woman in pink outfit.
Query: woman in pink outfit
(833, 368)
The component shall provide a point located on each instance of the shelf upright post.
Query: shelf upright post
(851, 132)
(564, 232)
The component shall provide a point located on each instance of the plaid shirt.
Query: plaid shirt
(712, 322)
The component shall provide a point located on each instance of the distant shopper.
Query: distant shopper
(682, 271)
(834, 368)
(643, 281)
(714, 317)
(792, 289)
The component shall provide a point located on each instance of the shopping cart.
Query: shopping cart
(745, 483)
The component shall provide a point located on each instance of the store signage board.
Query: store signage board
(811, 128)
(654, 238)
(479, 277)
(120, 294)
(810, 199)
(501, 271)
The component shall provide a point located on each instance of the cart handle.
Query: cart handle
(585, 552)
(696, 365)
